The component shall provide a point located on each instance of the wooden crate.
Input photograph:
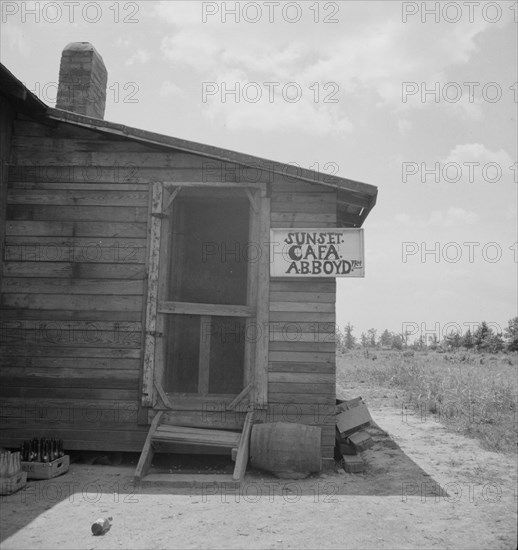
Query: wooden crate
(353, 464)
(46, 470)
(9, 485)
(360, 440)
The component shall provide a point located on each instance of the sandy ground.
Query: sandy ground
(424, 488)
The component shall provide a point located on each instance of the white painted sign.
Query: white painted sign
(316, 253)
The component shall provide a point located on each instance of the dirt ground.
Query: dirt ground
(424, 487)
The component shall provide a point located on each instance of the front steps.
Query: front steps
(160, 435)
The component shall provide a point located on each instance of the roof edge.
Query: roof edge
(17, 91)
(213, 152)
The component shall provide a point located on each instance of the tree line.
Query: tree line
(483, 339)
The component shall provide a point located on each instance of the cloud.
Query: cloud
(168, 88)
(373, 59)
(453, 217)
(404, 126)
(140, 56)
(122, 42)
(488, 164)
(300, 116)
(17, 40)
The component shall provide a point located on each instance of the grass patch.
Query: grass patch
(471, 393)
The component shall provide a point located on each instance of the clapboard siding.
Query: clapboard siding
(72, 295)
(74, 267)
(302, 368)
(74, 270)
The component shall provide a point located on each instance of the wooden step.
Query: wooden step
(237, 443)
(196, 436)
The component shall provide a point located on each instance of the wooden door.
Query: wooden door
(207, 265)
(212, 272)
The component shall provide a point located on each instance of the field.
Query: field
(470, 393)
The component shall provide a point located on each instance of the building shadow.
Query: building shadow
(388, 472)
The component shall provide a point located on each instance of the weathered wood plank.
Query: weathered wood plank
(60, 315)
(263, 313)
(298, 367)
(283, 184)
(63, 375)
(301, 378)
(75, 270)
(32, 285)
(112, 154)
(320, 208)
(302, 357)
(75, 252)
(75, 381)
(243, 449)
(69, 393)
(299, 336)
(299, 219)
(77, 213)
(216, 417)
(303, 307)
(147, 450)
(128, 441)
(317, 224)
(294, 317)
(71, 302)
(292, 328)
(298, 387)
(315, 414)
(133, 173)
(286, 284)
(196, 436)
(301, 398)
(305, 297)
(298, 347)
(67, 335)
(204, 354)
(220, 310)
(254, 236)
(109, 365)
(238, 401)
(39, 141)
(49, 186)
(58, 420)
(27, 228)
(319, 195)
(79, 352)
(26, 128)
(51, 413)
(77, 197)
(153, 264)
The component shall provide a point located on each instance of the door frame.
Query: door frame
(254, 393)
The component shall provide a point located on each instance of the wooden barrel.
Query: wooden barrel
(286, 449)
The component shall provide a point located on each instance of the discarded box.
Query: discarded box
(46, 470)
(353, 464)
(354, 416)
(11, 484)
(347, 449)
(344, 448)
(346, 404)
(360, 440)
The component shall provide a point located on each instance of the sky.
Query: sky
(416, 98)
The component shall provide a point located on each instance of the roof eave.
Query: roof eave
(369, 192)
(17, 93)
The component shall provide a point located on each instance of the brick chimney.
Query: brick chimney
(82, 81)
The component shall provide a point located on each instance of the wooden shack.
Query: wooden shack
(135, 279)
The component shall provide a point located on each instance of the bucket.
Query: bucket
(286, 449)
